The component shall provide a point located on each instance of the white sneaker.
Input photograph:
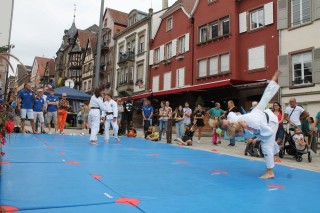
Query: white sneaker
(50, 133)
(198, 141)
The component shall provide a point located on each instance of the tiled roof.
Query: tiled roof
(119, 17)
(83, 36)
(52, 67)
(93, 41)
(42, 62)
(188, 5)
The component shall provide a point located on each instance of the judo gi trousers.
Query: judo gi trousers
(115, 128)
(94, 121)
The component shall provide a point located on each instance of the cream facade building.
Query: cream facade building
(299, 60)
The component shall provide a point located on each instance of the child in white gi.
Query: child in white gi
(110, 117)
(260, 122)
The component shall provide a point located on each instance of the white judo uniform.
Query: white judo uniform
(96, 105)
(110, 114)
(259, 126)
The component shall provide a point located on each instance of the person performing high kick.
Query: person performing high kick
(260, 122)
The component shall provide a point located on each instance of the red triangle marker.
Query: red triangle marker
(97, 177)
(8, 209)
(61, 153)
(214, 150)
(277, 160)
(219, 172)
(129, 201)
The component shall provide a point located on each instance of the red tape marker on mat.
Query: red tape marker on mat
(219, 172)
(97, 177)
(214, 150)
(130, 201)
(277, 160)
(8, 209)
(73, 162)
(61, 153)
(182, 161)
(4, 162)
(275, 186)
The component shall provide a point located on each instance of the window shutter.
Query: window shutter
(284, 79)
(161, 52)
(268, 13)
(174, 47)
(180, 77)
(243, 22)
(316, 65)
(187, 41)
(151, 57)
(316, 7)
(282, 14)
(167, 81)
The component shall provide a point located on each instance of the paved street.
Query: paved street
(237, 151)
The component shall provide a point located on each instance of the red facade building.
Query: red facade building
(233, 50)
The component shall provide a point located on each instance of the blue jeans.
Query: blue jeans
(179, 129)
(161, 124)
(232, 141)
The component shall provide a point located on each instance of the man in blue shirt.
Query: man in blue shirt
(147, 113)
(38, 109)
(52, 111)
(25, 101)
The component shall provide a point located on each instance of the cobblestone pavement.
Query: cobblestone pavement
(237, 151)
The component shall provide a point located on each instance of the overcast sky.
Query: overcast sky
(38, 25)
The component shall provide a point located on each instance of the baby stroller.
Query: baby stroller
(253, 149)
(289, 146)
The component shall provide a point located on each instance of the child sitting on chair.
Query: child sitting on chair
(186, 140)
(154, 135)
(298, 138)
(132, 132)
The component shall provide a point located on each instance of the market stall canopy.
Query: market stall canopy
(72, 93)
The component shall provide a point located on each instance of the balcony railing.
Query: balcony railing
(127, 56)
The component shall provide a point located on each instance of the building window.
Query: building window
(257, 19)
(203, 34)
(225, 62)
(257, 58)
(121, 50)
(180, 77)
(89, 85)
(211, 1)
(182, 44)
(202, 68)
(169, 24)
(141, 45)
(155, 84)
(157, 55)
(214, 65)
(84, 86)
(169, 50)
(224, 26)
(300, 12)
(214, 30)
(140, 72)
(131, 74)
(302, 68)
(167, 81)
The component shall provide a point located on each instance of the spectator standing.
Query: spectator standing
(187, 114)
(63, 107)
(128, 113)
(169, 121)
(155, 117)
(163, 119)
(215, 111)
(147, 114)
(38, 109)
(52, 111)
(85, 113)
(294, 113)
(179, 118)
(317, 124)
(198, 121)
(277, 110)
(45, 107)
(25, 102)
(231, 108)
(119, 118)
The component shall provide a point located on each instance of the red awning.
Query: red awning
(140, 96)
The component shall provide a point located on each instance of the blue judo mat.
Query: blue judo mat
(51, 173)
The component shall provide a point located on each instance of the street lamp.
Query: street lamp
(97, 71)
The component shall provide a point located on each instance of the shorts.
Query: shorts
(26, 113)
(38, 115)
(200, 123)
(119, 116)
(186, 138)
(52, 116)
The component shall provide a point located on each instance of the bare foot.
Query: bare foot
(268, 175)
(106, 140)
(118, 139)
(93, 142)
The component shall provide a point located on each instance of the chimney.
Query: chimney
(165, 4)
